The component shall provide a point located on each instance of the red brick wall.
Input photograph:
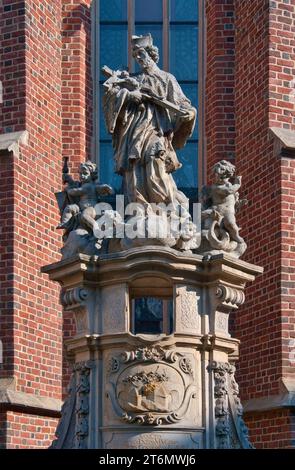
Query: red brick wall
(31, 216)
(76, 108)
(282, 66)
(45, 69)
(12, 65)
(269, 224)
(12, 118)
(266, 321)
(3, 425)
(37, 313)
(219, 101)
(6, 263)
(258, 322)
(288, 268)
(76, 80)
(273, 429)
(28, 431)
(282, 114)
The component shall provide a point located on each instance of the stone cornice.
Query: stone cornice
(273, 402)
(124, 265)
(285, 399)
(29, 403)
(284, 141)
(11, 141)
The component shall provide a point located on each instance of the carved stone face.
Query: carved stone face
(221, 174)
(142, 58)
(223, 171)
(85, 174)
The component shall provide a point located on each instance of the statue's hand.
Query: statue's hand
(67, 179)
(135, 96)
(238, 180)
(104, 189)
(189, 116)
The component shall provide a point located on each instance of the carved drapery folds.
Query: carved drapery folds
(231, 430)
(148, 117)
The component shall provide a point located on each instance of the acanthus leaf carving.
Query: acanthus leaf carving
(82, 369)
(186, 366)
(231, 430)
(154, 354)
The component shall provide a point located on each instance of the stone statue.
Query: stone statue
(145, 131)
(77, 205)
(220, 201)
(86, 191)
(149, 117)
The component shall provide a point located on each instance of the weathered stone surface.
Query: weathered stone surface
(77, 206)
(164, 377)
(220, 202)
(284, 141)
(11, 399)
(152, 390)
(12, 140)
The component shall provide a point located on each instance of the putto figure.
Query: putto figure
(220, 201)
(149, 118)
(77, 206)
(86, 192)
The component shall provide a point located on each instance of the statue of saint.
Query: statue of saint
(149, 117)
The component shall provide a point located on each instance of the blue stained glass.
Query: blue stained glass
(184, 51)
(187, 175)
(113, 10)
(113, 47)
(148, 10)
(184, 10)
(107, 174)
(156, 32)
(191, 92)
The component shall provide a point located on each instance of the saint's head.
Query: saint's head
(144, 52)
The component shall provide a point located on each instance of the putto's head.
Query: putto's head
(143, 51)
(87, 171)
(223, 170)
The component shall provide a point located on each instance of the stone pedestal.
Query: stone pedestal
(173, 389)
